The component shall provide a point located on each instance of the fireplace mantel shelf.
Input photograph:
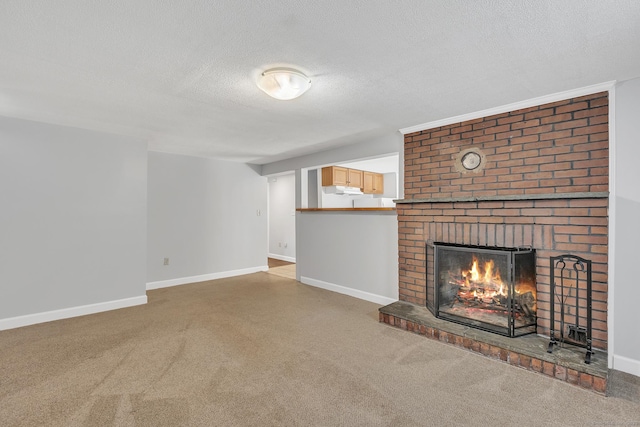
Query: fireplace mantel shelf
(511, 197)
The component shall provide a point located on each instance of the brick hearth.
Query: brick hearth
(542, 183)
(527, 352)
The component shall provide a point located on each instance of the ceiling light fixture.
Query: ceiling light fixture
(283, 83)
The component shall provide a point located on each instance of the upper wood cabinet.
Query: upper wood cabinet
(336, 175)
(368, 182)
(373, 183)
(355, 178)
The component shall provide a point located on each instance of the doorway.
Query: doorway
(282, 224)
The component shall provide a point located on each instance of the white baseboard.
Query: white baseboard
(282, 257)
(367, 296)
(624, 364)
(65, 313)
(204, 277)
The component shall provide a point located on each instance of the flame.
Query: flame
(475, 275)
(524, 287)
(481, 285)
(487, 277)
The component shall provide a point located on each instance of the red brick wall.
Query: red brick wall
(553, 148)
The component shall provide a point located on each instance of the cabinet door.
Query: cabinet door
(373, 183)
(368, 182)
(334, 175)
(378, 183)
(355, 178)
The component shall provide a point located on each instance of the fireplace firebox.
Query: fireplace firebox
(488, 288)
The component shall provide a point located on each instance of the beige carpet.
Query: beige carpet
(262, 350)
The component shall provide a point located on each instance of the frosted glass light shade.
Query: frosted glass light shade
(283, 83)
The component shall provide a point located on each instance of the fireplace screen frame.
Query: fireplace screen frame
(514, 259)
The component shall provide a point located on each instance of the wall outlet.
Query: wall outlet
(166, 261)
(258, 213)
(285, 245)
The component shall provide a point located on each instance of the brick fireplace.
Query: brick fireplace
(540, 180)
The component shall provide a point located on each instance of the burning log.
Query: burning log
(500, 300)
(479, 304)
(528, 303)
(484, 290)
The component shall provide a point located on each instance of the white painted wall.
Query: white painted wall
(382, 146)
(626, 285)
(324, 239)
(73, 217)
(355, 253)
(282, 217)
(381, 164)
(203, 216)
(328, 200)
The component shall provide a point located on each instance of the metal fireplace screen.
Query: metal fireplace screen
(488, 288)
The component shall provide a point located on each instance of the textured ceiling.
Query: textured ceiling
(181, 74)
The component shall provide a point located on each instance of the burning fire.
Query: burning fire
(483, 283)
(480, 286)
(524, 287)
(487, 278)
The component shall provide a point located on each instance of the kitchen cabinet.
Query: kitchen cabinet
(373, 183)
(368, 182)
(336, 175)
(355, 178)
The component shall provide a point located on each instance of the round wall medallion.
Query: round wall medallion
(471, 160)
